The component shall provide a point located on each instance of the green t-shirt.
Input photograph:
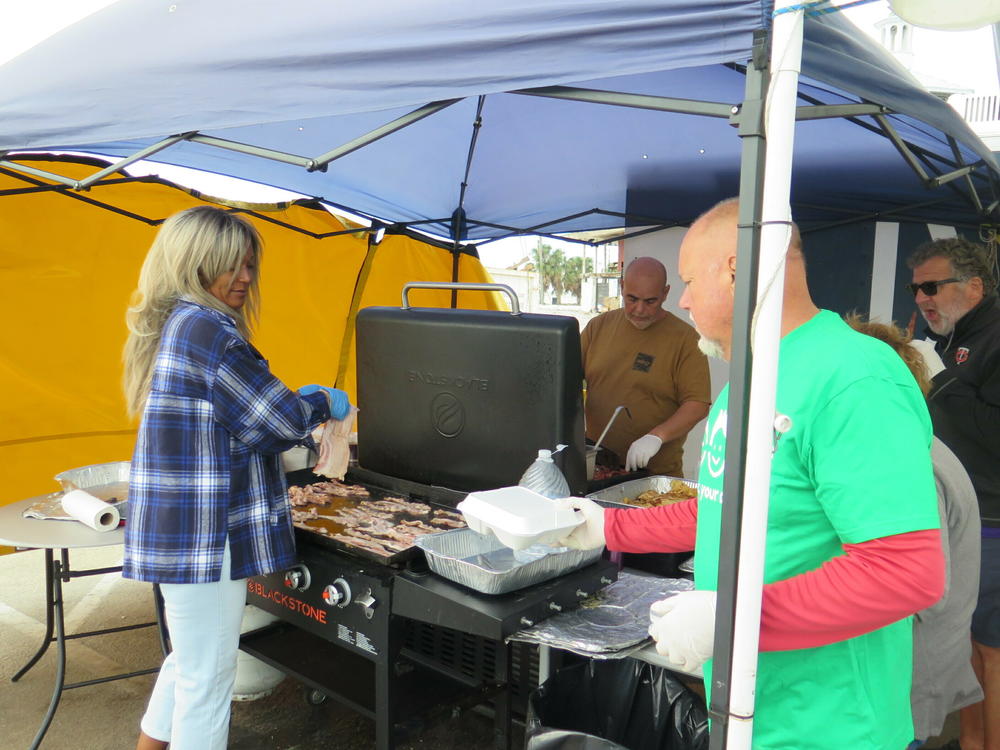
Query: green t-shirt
(855, 465)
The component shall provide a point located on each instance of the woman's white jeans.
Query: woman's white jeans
(190, 704)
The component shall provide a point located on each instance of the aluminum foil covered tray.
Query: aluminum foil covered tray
(611, 625)
(484, 564)
(615, 496)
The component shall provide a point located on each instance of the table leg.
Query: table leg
(57, 614)
(48, 620)
(161, 620)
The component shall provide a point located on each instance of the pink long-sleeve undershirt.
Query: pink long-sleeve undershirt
(871, 585)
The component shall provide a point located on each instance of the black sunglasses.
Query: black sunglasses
(930, 288)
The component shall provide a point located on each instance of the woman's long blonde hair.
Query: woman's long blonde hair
(191, 250)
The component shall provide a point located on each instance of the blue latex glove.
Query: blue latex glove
(340, 404)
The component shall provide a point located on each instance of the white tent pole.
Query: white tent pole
(779, 123)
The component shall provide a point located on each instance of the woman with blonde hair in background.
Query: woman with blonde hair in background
(943, 679)
(207, 497)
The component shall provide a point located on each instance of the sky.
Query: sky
(963, 58)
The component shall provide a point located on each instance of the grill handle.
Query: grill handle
(515, 308)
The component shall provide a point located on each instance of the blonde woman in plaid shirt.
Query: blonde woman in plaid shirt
(207, 501)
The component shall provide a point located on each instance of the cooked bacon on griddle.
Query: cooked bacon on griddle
(447, 523)
(418, 524)
(339, 489)
(441, 513)
(304, 515)
(371, 545)
(399, 505)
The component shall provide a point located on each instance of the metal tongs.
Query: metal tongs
(597, 445)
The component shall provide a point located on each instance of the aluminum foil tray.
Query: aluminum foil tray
(484, 564)
(108, 482)
(610, 625)
(614, 496)
(95, 475)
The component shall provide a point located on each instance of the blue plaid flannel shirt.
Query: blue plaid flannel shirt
(207, 461)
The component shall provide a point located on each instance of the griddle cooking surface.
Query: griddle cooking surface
(312, 527)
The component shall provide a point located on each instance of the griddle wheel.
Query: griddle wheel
(314, 697)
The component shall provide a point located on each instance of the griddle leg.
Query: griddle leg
(385, 714)
(501, 704)
(57, 613)
(48, 620)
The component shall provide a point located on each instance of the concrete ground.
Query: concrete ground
(106, 716)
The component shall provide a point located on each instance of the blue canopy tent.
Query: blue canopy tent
(473, 122)
(399, 111)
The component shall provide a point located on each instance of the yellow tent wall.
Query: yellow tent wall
(67, 271)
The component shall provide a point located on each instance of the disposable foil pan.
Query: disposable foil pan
(482, 563)
(108, 482)
(615, 496)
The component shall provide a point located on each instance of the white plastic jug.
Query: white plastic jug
(544, 477)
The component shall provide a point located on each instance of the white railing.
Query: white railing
(981, 108)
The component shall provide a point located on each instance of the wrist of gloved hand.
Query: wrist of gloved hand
(641, 451)
(340, 404)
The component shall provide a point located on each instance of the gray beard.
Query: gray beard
(711, 348)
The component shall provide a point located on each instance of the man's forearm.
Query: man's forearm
(681, 421)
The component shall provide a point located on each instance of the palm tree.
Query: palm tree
(574, 272)
(549, 267)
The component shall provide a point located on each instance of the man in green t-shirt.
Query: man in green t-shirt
(852, 546)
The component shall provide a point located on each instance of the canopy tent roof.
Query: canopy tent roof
(304, 83)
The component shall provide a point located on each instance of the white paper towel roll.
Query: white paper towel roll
(93, 511)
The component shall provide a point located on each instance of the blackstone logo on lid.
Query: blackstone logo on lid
(961, 354)
(447, 415)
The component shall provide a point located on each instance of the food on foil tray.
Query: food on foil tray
(677, 493)
(384, 526)
(606, 472)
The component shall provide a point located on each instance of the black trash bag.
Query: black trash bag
(616, 704)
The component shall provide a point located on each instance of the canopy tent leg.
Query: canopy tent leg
(751, 130)
(765, 196)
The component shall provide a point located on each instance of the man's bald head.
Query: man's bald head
(644, 289)
(708, 268)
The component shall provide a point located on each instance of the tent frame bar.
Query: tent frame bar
(320, 162)
(692, 106)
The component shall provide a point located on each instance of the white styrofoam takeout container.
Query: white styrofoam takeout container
(518, 517)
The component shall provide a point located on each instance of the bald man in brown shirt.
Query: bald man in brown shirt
(647, 359)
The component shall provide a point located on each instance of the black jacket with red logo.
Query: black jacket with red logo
(965, 400)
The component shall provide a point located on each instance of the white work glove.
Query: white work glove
(590, 533)
(683, 627)
(931, 358)
(641, 451)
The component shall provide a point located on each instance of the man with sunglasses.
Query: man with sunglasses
(955, 288)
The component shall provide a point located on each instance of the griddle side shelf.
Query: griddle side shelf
(428, 598)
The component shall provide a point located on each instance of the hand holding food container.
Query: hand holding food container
(590, 533)
(519, 517)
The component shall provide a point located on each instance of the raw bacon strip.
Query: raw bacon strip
(334, 452)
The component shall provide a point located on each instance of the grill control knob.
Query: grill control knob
(337, 593)
(367, 603)
(298, 578)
